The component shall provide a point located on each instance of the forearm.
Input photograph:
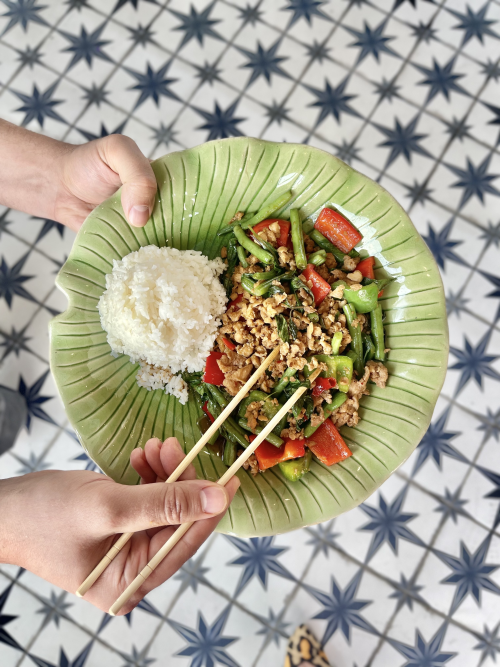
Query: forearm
(9, 490)
(30, 170)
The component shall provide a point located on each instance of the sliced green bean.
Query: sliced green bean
(242, 256)
(317, 258)
(298, 240)
(248, 284)
(377, 328)
(262, 214)
(271, 437)
(368, 347)
(314, 317)
(325, 244)
(307, 226)
(336, 342)
(284, 380)
(264, 275)
(338, 400)
(357, 340)
(262, 255)
(229, 454)
(254, 395)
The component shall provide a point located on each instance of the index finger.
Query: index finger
(171, 455)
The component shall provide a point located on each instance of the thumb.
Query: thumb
(124, 157)
(134, 508)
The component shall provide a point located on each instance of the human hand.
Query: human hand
(59, 524)
(92, 172)
(51, 179)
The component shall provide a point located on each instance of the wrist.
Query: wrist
(31, 170)
(9, 489)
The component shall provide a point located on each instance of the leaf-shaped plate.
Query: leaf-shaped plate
(199, 191)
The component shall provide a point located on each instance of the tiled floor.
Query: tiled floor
(407, 91)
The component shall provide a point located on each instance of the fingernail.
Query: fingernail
(139, 215)
(213, 500)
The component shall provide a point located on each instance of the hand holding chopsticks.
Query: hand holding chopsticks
(122, 541)
(182, 529)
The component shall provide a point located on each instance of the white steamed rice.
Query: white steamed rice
(161, 307)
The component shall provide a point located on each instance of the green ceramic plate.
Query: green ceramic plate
(199, 190)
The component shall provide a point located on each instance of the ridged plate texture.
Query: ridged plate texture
(199, 191)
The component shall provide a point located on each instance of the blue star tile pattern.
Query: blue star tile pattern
(332, 101)
(436, 443)
(403, 140)
(406, 593)
(153, 84)
(86, 46)
(306, 9)
(441, 79)
(372, 41)
(388, 524)
(403, 90)
(451, 505)
(264, 62)
(474, 362)
(206, 645)
(39, 105)
(475, 180)
(259, 558)
(424, 654)
(12, 280)
(23, 12)
(474, 24)
(274, 628)
(489, 644)
(341, 608)
(34, 400)
(221, 123)
(470, 573)
(196, 25)
(442, 246)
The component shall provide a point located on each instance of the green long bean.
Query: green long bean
(242, 256)
(336, 342)
(298, 240)
(325, 244)
(229, 454)
(317, 258)
(262, 255)
(378, 332)
(271, 437)
(357, 340)
(264, 275)
(338, 400)
(262, 214)
(284, 380)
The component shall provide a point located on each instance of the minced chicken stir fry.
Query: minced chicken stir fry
(304, 288)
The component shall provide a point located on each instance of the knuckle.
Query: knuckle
(177, 505)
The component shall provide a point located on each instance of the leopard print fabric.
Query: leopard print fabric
(304, 650)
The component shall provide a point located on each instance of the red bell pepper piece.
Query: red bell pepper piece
(284, 229)
(205, 409)
(320, 287)
(213, 374)
(380, 293)
(268, 455)
(328, 445)
(228, 343)
(366, 267)
(337, 229)
(323, 384)
(236, 301)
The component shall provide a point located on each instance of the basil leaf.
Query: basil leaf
(282, 328)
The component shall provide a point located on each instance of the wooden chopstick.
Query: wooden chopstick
(123, 539)
(183, 528)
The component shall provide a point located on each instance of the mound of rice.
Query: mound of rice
(161, 308)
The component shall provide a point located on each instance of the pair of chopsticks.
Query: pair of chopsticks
(230, 472)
